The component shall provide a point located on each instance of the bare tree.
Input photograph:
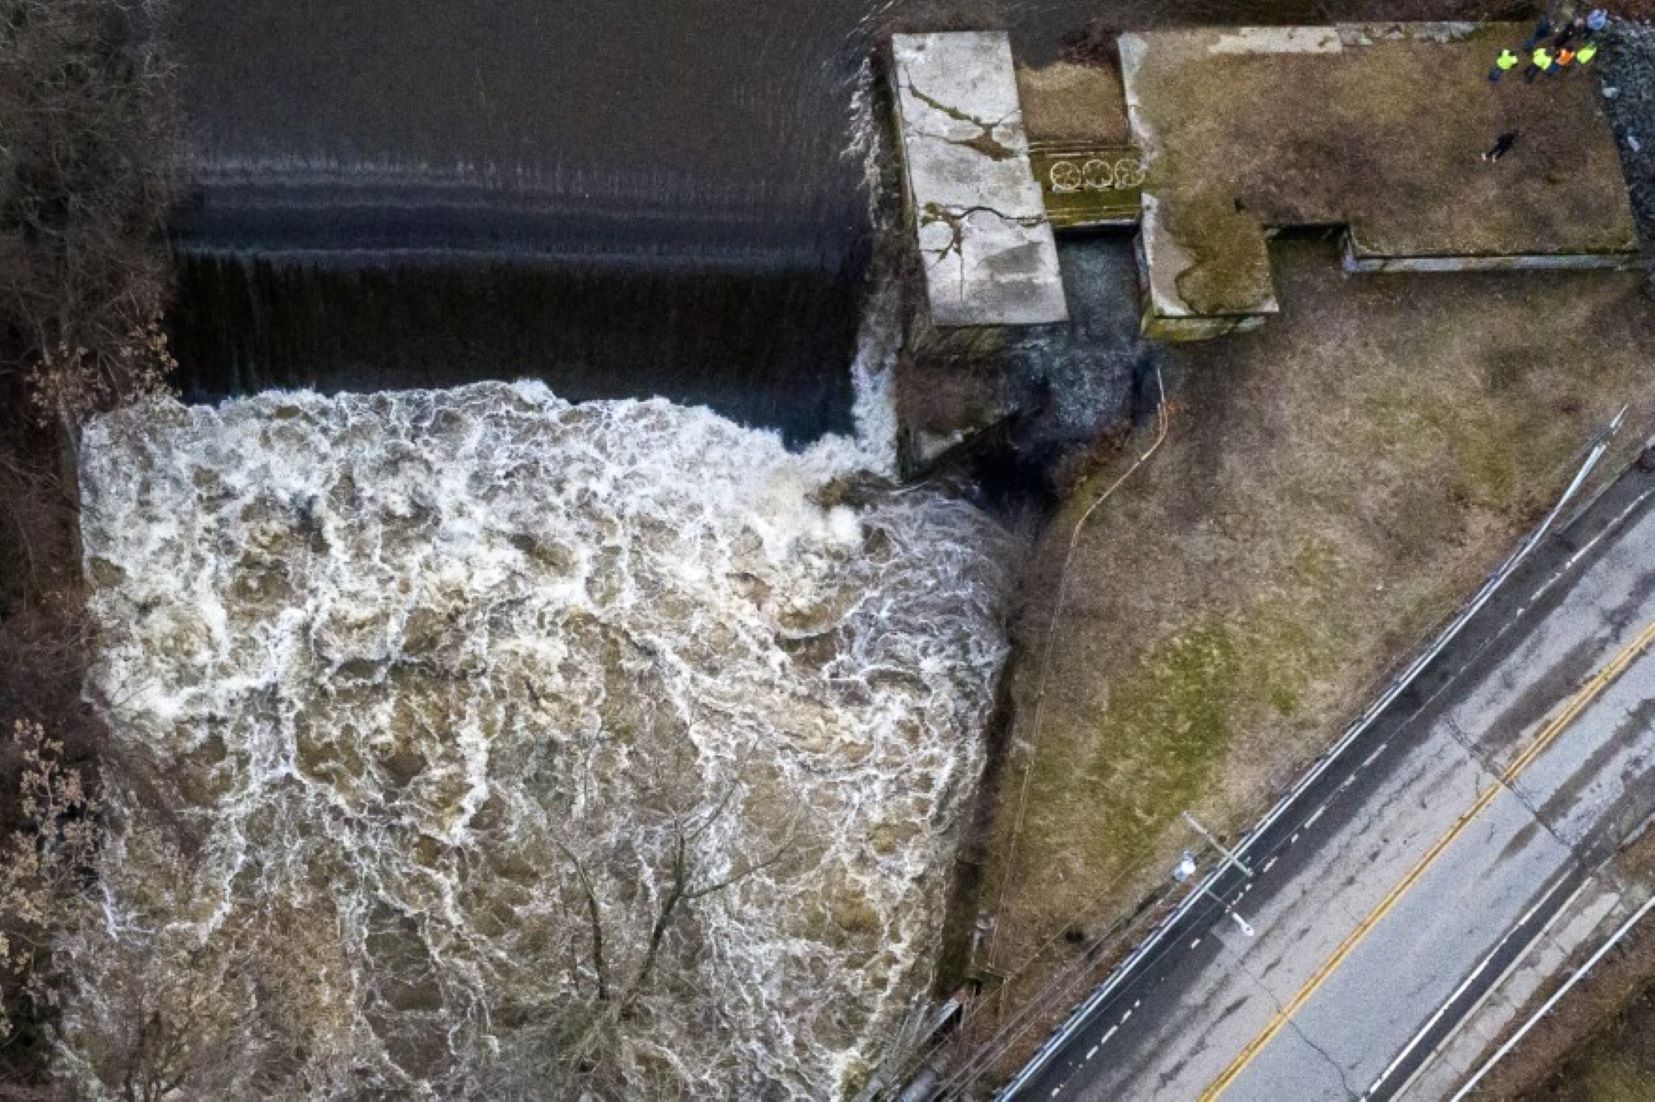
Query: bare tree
(43, 867)
(89, 148)
(632, 942)
(88, 168)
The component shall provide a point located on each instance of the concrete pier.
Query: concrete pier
(1376, 128)
(984, 239)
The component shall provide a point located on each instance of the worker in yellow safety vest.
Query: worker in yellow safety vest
(1586, 53)
(1539, 62)
(1505, 63)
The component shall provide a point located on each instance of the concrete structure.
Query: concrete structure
(1204, 283)
(1376, 128)
(984, 240)
(1393, 892)
(1081, 149)
(1212, 140)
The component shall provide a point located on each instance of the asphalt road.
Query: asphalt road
(1397, 886)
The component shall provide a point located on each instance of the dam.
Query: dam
(435, 194)
(539, 608)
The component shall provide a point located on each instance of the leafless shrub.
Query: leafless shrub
(636, 898)
(159, 1012)
(88, 169)
(42, 867)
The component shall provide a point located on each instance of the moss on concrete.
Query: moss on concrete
(1229, 269)
(1378, 131)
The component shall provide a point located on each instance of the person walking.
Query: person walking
(1539, 62)
(1596, 20)
(1505, 63)
(1586, 53)
(1502, 146)
(1565, 58)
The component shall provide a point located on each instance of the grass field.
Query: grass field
(1331, 487)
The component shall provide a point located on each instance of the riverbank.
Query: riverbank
(89, 130)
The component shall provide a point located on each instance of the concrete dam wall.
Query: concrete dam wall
(620, 204)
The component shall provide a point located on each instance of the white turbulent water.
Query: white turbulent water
(420, 668)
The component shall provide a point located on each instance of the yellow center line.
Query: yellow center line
(1577, 704)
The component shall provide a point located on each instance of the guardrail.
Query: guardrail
(1546, 1007)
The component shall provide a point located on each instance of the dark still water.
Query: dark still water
(621, 197)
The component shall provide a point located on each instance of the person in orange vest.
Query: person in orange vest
(1539, 62)
(1505, 63)
(1565, 58)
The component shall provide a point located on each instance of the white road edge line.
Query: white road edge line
(1471, 978)
(1081, 1013)
(1585, 548)
(1551, 1002)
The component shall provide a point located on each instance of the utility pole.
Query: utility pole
(1186, 869)
(1229, 857)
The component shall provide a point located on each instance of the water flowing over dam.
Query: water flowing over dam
(472, 697)
(616, 198)
(527, 738)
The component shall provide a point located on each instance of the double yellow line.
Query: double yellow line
(1577, 704)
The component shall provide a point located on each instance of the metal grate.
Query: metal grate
(1088, 185)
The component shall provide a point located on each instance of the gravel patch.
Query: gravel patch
(1628, 77)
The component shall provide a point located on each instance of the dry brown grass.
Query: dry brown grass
(1618, 1065)
(1334, 484)
(1386, 138)
(1065, 101)
(1599, 1043)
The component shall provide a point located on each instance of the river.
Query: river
(619, 198)
(527, 678)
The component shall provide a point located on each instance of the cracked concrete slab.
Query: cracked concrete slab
(985, 243)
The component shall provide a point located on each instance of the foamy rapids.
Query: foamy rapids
(447, 687)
